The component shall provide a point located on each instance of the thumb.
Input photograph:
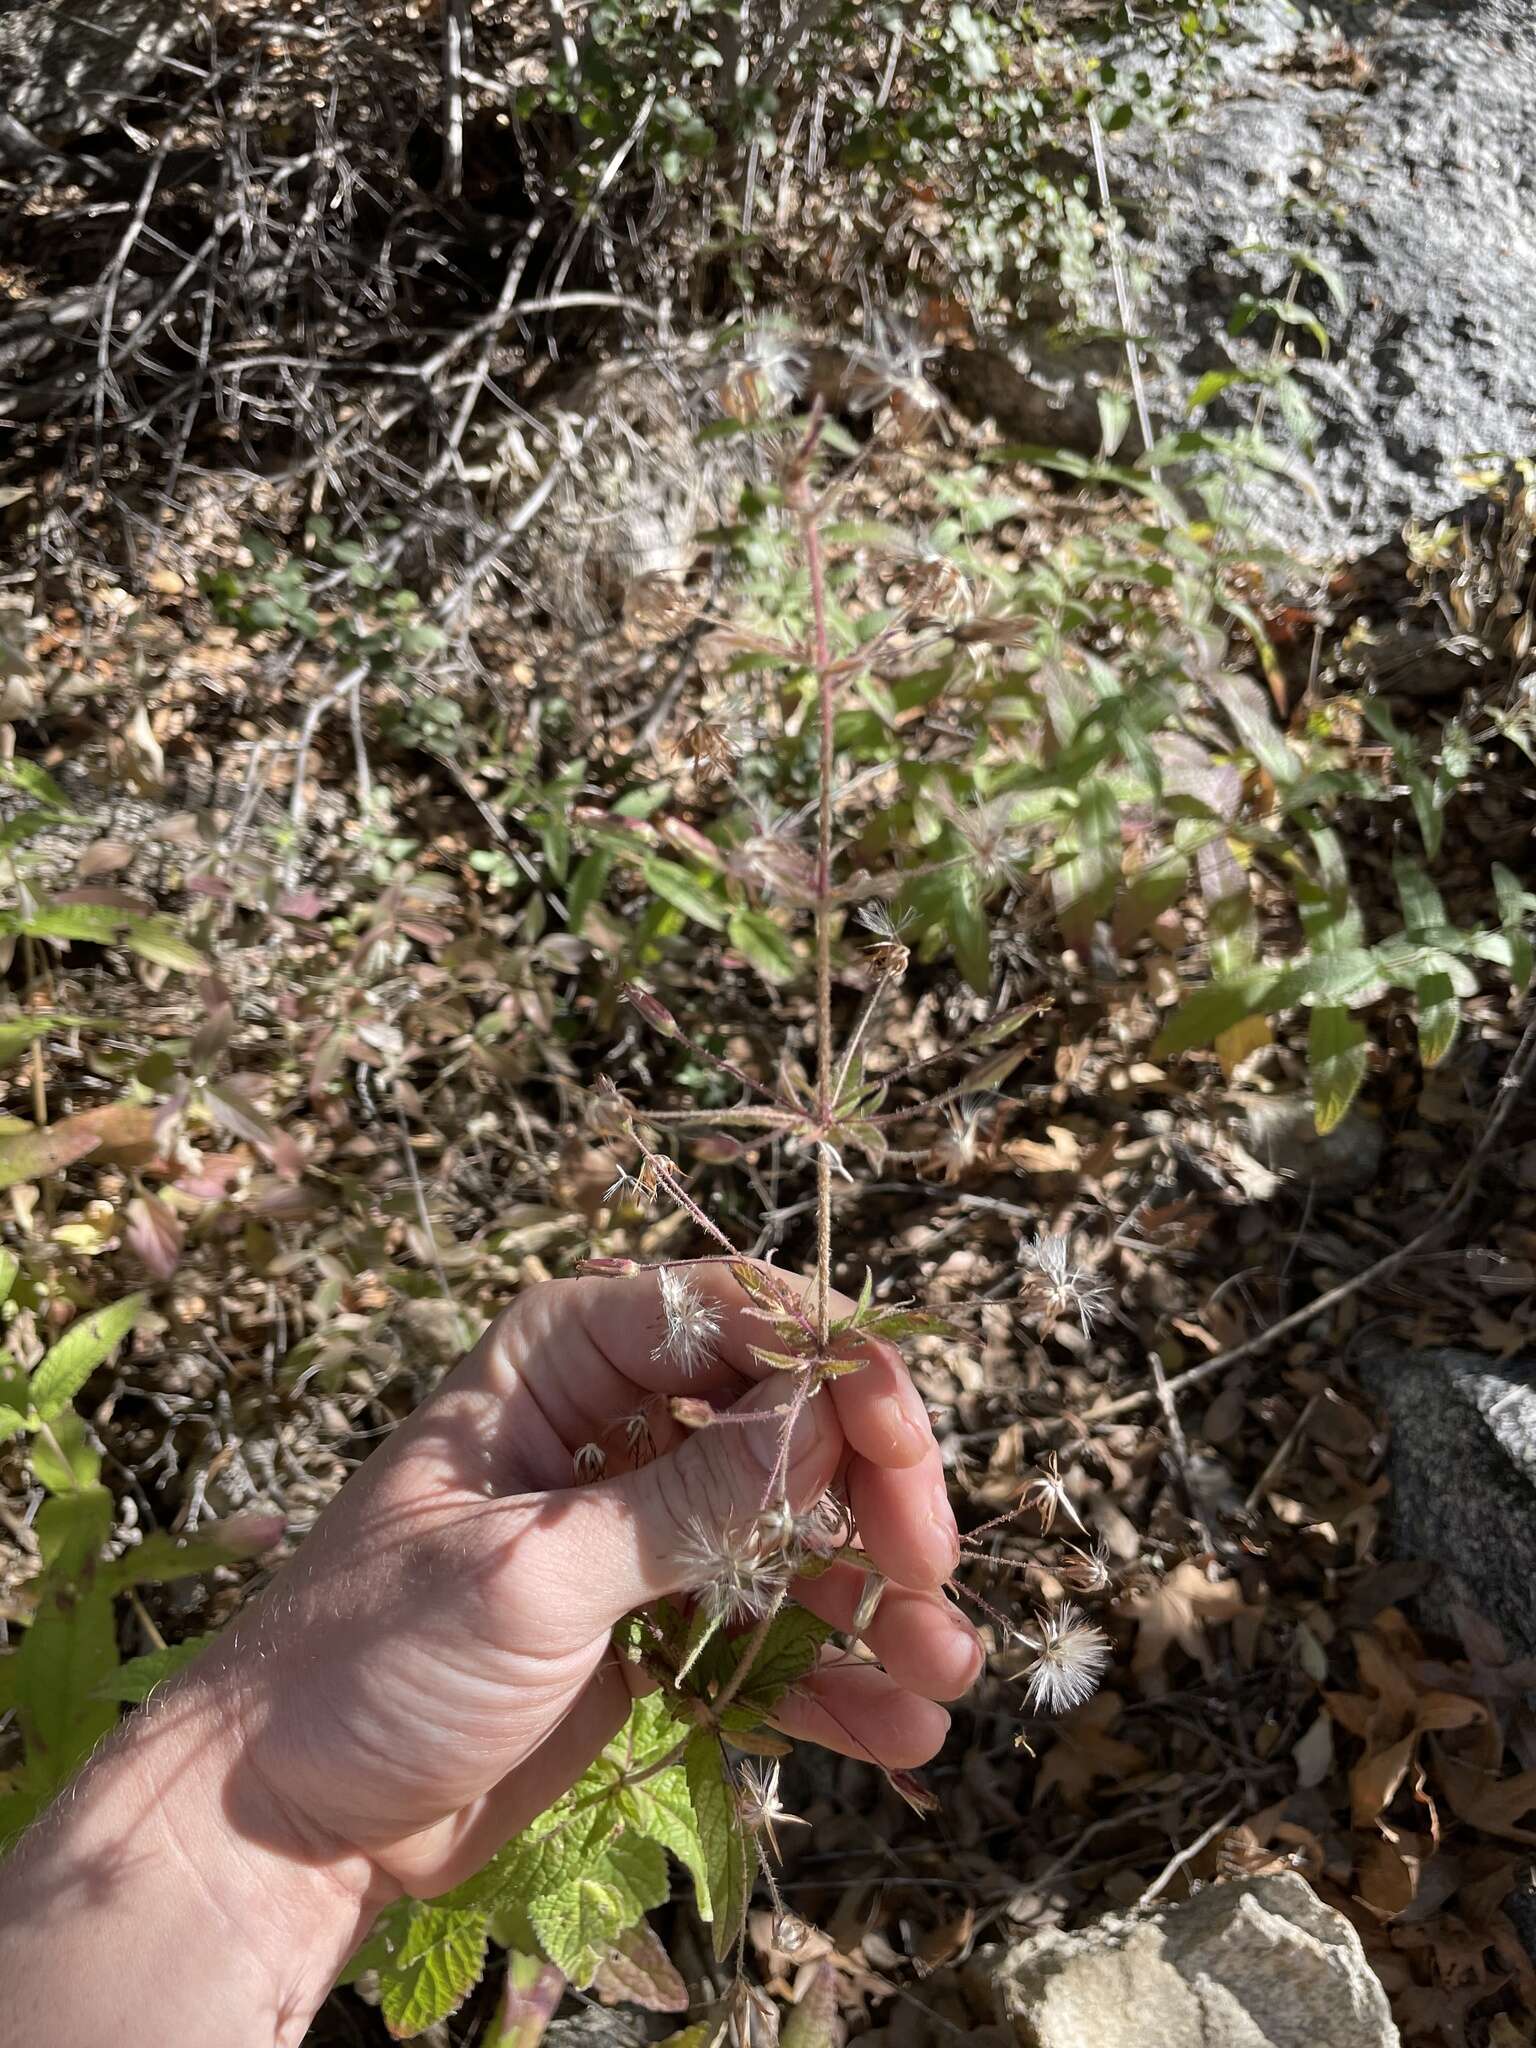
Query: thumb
(677, 1524)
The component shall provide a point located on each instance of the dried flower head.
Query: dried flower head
(891, 367)
(765, 373)
(824, 1528)
(1061, 1284)
(692, 1324)
(957, 1151)
(995, 847)
(1071, 1656)
(757, 1802)
(790, 1932)
(1047, 1494)
(732, 1576)
(638, 1441)
(889, 957)
(1085, 1569)
(589, 1463)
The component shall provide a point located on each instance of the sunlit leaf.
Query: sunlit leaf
(84, 1346)
(1336, 1061)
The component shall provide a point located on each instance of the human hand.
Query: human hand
(435, 1668)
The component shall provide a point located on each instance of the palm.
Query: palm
(452, 1611)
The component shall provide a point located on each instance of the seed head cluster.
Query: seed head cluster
(1071, 1656)
(691, 1325)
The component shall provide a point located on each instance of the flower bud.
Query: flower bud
(656, 1014)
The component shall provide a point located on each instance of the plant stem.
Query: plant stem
(816, 566)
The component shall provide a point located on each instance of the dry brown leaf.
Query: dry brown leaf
(1483, 1801)
(1375, 1780)
(1181, 1611)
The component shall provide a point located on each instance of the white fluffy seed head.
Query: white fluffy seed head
(733, 1578)
(691, 1325)
(1067, 1287)
(1071, 1657)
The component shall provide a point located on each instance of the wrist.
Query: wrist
(251, 1918)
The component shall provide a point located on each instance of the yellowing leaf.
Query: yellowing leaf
(1336, 1057)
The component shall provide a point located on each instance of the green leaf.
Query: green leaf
(728, 1855)
(10, 1272)
(17, 1033)
(433, 1971)
(132, 1683)
(29, 825)
(83, 1347)
(950, 912)
(1516, 906)
(575, 1925)
(157, 940)
(763, 944)
(587, 885)
(37, 782)
(662, 1811)
(1083, 885)
(1206, 1012)
(11, 1423)
(70, 1647)
(80, 1462)
(1336, 1058)
(96, 924)
(675, 885)
(1439, 1017)
(1423, 908)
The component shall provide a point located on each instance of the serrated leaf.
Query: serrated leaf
(729, 1857)
(578, 1923)
(132, 1683)
(675, 885)
(637, 1870)
(662, 1811)
(544, 1857)
(84, 1346)
(763, 945)
(434, 1969)
(1439, 1017)
(1336, 1061)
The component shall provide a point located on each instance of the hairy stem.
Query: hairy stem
(816, 566)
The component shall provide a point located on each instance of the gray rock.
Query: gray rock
(1257, 1964)
(1281, 1132)
(1411, 176)
(1463, 1471)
